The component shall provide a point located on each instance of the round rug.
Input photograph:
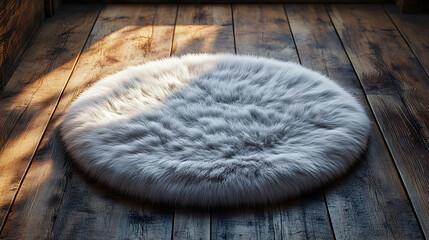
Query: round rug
(215, 130)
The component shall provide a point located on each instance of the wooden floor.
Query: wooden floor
(375, 52)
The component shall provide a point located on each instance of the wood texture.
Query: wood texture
(29, 99)
(66, 203)
(19, 21)
(246, 224)
(191, 224)
(264, 32)
(374, 180)
(51, 7)
(386, 66)
(415, 30)
(203, 28)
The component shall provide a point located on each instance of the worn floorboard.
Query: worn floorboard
(373, 51)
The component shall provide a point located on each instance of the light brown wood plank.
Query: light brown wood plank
(203, 28)
(375, 179)
(266, 32)
(385, 65)
(415, 29)
(54, 195)
(32, 94)
(200, 28)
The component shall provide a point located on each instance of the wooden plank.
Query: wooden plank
(19, 21)
(410, 152)
(191, 224)
(385, 65)
(54, 199)
(200, 28)
(261, 223)
(203, 28)
(31, 96)
(305, 218)
(266, 32)
(359, 205)
(415, 30)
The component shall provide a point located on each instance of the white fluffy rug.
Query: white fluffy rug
(215, 130)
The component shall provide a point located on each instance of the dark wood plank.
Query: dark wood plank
(415, 30)
(246, 224)
(359, 205)
(191, 224)
(54, 198)
(385, 65)
(305, 218)
(32, 94)
(319, 47)
(203, 28)
(412, 6)
(200, 28)
(266, 32)
(19, 21)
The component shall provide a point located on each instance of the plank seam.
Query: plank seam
(378, 124)
(174, 31)
(233, 28)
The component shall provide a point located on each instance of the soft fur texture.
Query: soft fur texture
(215, 130)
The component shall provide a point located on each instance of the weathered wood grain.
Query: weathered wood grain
(54, 193)
(261, 223)
(203, 28)
(200, 28)
(415, 30)
(374, 180)
(32, 94)
(264, 32)
(191, 224)
(19, 21)
(385, 65)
